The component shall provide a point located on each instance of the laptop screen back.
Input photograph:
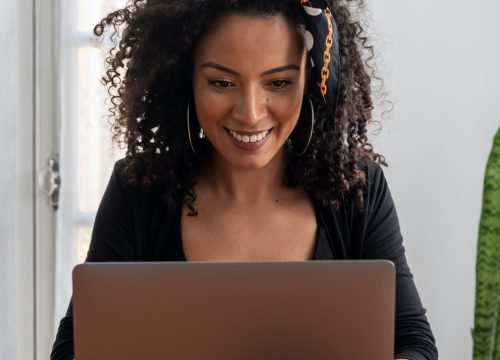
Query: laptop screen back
(245, 310)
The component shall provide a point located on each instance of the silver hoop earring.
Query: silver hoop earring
(298, 130)
(189, 131)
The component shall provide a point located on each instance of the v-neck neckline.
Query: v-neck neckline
(319, 242)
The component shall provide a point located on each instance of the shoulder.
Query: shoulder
(377, 201)
(119, 190)
(374, 175)
(120, 179)
(378, 204)
(118, 186)
(347, 226)
(374, 187)
(153, 196)
(118, 173)
(376, 183)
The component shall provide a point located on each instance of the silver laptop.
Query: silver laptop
(247, 310)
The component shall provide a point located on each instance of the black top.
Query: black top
(132, 225)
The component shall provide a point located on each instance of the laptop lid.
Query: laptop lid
(245, 310)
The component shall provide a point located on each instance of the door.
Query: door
(74, 154)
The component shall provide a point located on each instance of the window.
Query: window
(86, 154)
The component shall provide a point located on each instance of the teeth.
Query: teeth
(249, 139)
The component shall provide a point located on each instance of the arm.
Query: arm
(382, 240)
(112, 240)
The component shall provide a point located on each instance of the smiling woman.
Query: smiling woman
(245, 127)
(248, 90)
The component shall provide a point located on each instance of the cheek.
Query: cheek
(210, 109)
(288, 111)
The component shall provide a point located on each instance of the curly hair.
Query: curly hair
(149, 79)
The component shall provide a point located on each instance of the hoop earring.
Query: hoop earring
(299, 131)
(189, 130)
(192, 128)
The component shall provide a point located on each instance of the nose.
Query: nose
(252, 106)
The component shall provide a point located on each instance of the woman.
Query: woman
(245, 126)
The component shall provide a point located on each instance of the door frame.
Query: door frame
(46, 139)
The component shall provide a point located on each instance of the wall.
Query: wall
(440, 61)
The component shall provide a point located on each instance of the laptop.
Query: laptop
(246, 310)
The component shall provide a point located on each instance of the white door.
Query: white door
(72, 132)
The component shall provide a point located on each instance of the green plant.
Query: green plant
(486, 332)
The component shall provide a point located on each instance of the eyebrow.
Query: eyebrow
(213, 65)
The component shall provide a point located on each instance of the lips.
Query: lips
(249, 137)
(249, 140)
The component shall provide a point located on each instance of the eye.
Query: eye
(280, 84)
(221, 83)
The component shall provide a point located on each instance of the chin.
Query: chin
(248, 162)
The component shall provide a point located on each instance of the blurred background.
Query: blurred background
(439, 62)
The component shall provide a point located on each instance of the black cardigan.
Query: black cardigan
(132, 225)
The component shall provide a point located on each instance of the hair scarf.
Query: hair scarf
(322, 41)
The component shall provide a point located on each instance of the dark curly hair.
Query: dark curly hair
(149, 79)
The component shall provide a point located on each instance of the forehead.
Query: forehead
(254, 42)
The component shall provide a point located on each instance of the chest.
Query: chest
(250, 234)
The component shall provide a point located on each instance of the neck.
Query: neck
(244, 186)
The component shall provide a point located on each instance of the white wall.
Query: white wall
(16, 181)
(441, 64)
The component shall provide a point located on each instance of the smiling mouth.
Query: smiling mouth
(249, 138)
